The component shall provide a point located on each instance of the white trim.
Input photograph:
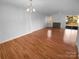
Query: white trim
(12, 38)
(19, 35)
(37, 29)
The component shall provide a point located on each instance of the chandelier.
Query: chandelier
(30, 9)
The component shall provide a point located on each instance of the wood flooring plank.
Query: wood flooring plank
(42, 44)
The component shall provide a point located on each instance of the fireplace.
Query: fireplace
(56, 25)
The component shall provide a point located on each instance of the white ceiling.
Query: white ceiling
(20, 3)
(48, 7)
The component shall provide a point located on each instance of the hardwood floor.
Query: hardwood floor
(42, 44)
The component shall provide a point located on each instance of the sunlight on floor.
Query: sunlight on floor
(49, 33)
(70, 36)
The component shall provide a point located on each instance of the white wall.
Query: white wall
(60, 18)
(78, 41)
(38, 21)
(15, 21)
(12, 22)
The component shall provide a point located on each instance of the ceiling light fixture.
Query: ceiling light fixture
(30, 9)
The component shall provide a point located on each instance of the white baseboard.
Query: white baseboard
(12, 38)
(37, 29)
